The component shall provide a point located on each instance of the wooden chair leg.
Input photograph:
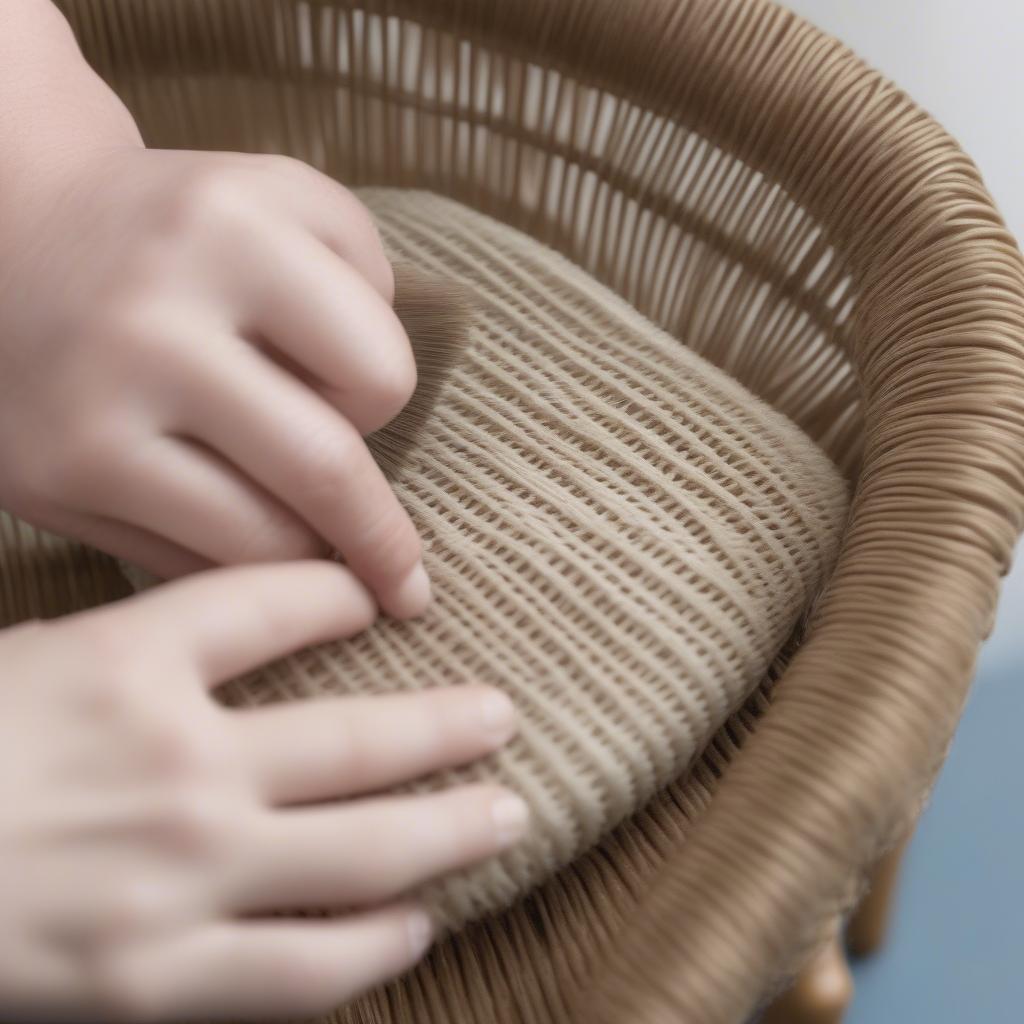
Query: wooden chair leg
(821, 993)
(869, 923)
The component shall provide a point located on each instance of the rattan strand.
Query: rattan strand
(620, 536)
(753, 187)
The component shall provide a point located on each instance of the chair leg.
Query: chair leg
(869, 923)
(821, 993)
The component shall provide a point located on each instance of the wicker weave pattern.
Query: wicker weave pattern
(620, 537)
(759, 191)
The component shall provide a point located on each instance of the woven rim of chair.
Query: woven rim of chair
(863, 715)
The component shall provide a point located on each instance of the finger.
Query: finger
(297, 447)
(326, 749)
(269, 969)
(197, 501)
(332, 213)
(161, 557)
(369, 851)
(229, 621)
(321, 313)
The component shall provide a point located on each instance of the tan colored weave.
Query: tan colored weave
(620, 537)
(755, 189)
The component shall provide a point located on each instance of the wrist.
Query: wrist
(55, 111)
(44, 177)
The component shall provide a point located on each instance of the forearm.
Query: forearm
(53, 107)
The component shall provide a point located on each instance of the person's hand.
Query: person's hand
(147, 832)
(192, 348)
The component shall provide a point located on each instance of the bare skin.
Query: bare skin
(192, 349)
(146, 831)
(192, 345)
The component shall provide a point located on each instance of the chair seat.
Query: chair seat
(620, 536)
(780, 207)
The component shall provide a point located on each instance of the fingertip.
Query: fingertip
(412, 596)
(511, 817)
(498, 715)
(419, 930)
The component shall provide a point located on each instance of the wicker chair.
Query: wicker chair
(751, 186)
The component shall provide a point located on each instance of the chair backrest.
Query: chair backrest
(754, 188)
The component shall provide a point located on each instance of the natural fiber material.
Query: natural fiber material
(435, 313)
(620, 537)
(755, 189)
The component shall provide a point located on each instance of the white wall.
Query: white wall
(963, 61)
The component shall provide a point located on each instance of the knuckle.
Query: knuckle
(110, 697)
(187, 753)
(133, 907)
(357, 237)
(365, 234)
(115, 653)
(127, 321)
(195, 823)
(324, 464)
(357, 230)
(205, 198)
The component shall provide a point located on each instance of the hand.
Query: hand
(146, 832)
(192, 347)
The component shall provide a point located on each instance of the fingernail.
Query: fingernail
(412, 595)
(497, 713)
(510, 815)
(421, 932)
